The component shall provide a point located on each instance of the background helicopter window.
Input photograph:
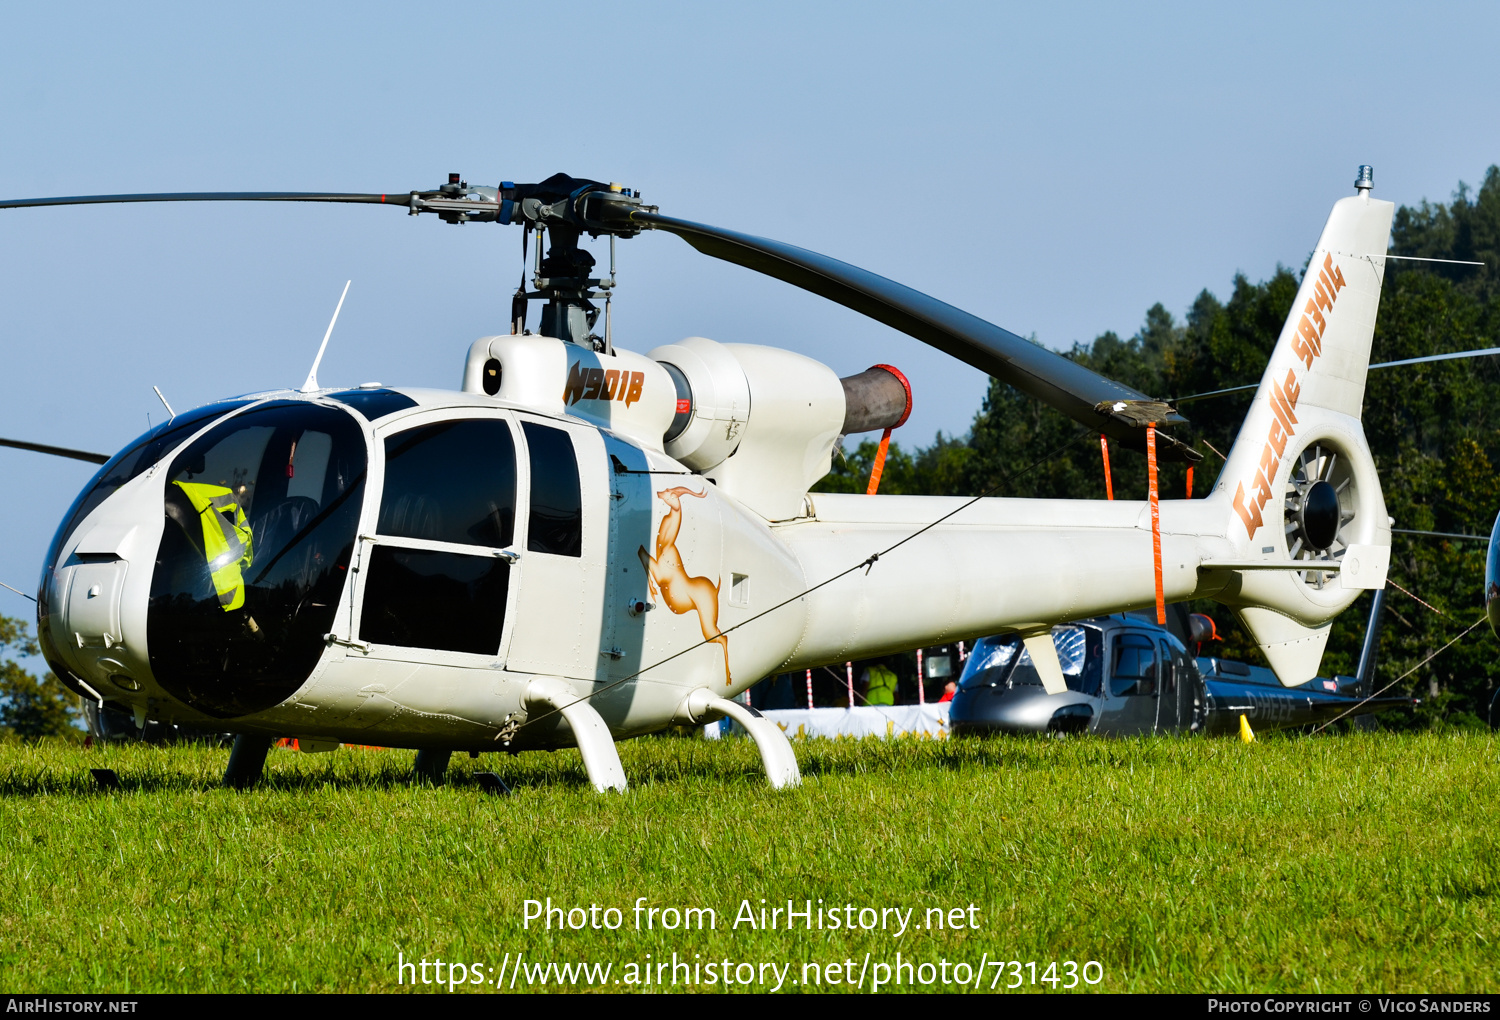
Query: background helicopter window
(374, 404)
(556, 523)
(454, 481)
(134, 459)
(421, 598)
(987, 662)
(1080, 652)
(1134, 668)
(1169, 668)
(297, 473)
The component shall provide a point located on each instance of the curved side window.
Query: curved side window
(134, 459)
(262, 512)
(988, 661)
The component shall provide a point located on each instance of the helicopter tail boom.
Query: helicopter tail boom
(1295, 528)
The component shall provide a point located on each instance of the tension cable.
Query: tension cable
(1403, 591)
(864, 564)
(1403, 676)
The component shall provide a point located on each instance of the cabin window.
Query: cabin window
(376, 403)
(556, 522)
(1133, 669)
(448, 483)
(454, 481)
(422, 598)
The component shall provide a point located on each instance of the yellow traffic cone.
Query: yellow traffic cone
(1247, 735)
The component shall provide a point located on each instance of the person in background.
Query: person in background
(880, 684)
(949, 689)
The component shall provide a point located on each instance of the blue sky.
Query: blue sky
(1054, 168)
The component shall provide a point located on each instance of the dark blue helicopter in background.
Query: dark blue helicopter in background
(1129, 676)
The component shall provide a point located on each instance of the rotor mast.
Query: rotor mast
(560, 208)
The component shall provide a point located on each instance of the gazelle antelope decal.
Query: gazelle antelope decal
(679, 591)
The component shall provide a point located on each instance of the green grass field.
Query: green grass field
(1364, 862)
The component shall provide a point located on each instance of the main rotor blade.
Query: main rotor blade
(403, 199)
(56, 451)
(1032, 369)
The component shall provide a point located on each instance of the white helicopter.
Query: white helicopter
(584, 544)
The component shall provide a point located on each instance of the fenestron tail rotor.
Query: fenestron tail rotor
(1319, 504)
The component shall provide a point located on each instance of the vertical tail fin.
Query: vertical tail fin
(1300, 480)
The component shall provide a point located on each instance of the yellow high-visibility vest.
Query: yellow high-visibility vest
(227, 539)
(882, 687)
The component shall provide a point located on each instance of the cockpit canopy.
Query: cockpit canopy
(262, 513)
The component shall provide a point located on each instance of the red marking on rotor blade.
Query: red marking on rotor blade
(1161, 602)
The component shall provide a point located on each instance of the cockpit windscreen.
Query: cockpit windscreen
(261, 513)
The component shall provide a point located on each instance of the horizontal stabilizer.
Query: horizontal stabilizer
(1365, 566)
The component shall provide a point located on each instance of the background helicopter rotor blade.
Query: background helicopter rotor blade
(56, 451)
(1049, 377)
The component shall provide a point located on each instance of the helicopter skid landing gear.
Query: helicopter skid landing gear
(431, 766)
(247, 759)
(595, 742)
(776, 752)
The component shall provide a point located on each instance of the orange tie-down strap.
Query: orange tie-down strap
(1161, 603)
